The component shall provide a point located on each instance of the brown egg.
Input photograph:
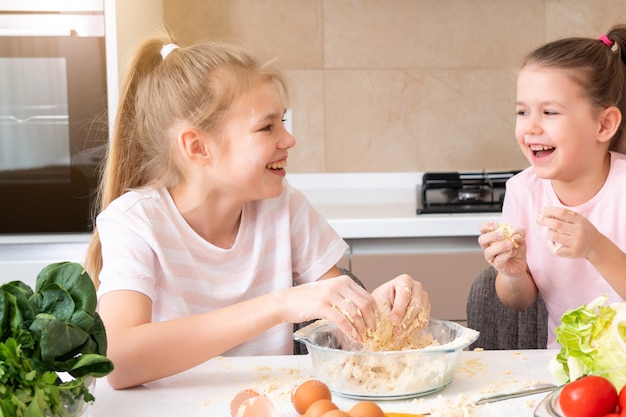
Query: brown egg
(336, 413)
(307, 393)
(260, 406)
(319, 408)
(239, 399)
(366, 409)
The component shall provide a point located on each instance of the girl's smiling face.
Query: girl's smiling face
(252, 150)
(556, 126)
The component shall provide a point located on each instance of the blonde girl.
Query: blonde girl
(201, 247)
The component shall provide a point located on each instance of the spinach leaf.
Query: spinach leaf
(4, 314)
(74, 279)
(18, 316)
(56, 301)
(57, 339)
(53, 329)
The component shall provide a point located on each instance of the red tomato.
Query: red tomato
(589, 396)
(621, 400)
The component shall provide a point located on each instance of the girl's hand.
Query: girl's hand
(339, 299)
(410, 307)
(501, 252)
(570, 235)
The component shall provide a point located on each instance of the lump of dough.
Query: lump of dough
(509, 233)
(411, 337)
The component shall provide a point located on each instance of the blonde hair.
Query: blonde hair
(196, 84)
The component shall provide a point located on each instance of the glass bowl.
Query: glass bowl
(74, 407)
(549, 406)
(339, 363)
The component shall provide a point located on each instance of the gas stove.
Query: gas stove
(462, 192)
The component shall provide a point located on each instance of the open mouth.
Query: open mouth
(541, 150)
(277, 165)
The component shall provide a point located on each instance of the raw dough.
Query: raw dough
(509, 233)
(410, 337)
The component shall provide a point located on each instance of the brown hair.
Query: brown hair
(599, 68)
(196, 84)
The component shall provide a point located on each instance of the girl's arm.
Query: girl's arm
(518, 293)
(507, 254)
(610, 261)
(143, 351)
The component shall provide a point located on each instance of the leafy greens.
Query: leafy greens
(51, 330)
(593, 340)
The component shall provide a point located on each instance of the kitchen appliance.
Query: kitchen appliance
(53, 123)
(462, 192)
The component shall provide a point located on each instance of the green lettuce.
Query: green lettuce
(593, 341)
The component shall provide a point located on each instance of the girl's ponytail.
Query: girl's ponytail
(615, 39)
(124, 154)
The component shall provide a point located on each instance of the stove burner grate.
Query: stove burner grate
(462, 192)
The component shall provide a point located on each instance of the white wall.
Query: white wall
(127, 23)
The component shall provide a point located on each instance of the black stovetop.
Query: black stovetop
(462, 192)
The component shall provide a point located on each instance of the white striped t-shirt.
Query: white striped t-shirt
(148, 247)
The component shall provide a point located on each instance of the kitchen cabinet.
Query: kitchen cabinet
(446, 267)
(22, 257)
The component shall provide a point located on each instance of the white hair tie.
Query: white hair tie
(167, 49)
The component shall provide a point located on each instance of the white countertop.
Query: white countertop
(381, 205)
(208, 389)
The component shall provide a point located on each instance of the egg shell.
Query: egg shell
(260, 406)
(305, 394)
(320, 407)
(336, 413)
(366, 409)
(239, 398)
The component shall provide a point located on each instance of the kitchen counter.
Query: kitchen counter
(208, 389)
(370, 210)
(381, 205)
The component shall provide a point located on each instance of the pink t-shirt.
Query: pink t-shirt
(148, 247)
(566, 283)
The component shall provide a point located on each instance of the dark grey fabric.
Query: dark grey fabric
(501, 327)
(299, 348)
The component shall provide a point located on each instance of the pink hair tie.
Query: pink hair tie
(606, 40)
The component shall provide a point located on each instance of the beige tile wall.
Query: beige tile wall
(397, 85)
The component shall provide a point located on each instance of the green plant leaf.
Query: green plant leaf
(97, 333)
(4, 315)
(74, 279)
(83, 320)
(89, 364)
(57, 302)
(55, 328)
(57, 339)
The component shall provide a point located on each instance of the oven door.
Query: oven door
(53, 125)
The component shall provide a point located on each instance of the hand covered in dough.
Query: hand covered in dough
(340, 300)
(504, 248)
(570, 235)
(408, 301)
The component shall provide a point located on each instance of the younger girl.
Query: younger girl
(201, 247)
(569, 206)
